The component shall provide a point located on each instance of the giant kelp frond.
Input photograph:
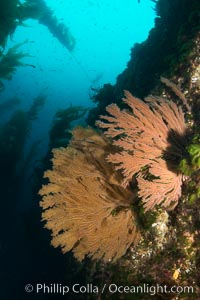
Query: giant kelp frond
(62, 122)
(34, 9)
(36, 106)
(9, 16)
(10, 61)
(84, 204)
(38, 9)
(71, 113)
(12, 138)
(151, 139)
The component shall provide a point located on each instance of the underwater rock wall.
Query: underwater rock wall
(167, 51)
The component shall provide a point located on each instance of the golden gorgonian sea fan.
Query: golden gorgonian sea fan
(151, 139)
(85, 206)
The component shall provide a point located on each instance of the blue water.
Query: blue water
(104, 31)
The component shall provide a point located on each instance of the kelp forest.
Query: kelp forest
(115, 196)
